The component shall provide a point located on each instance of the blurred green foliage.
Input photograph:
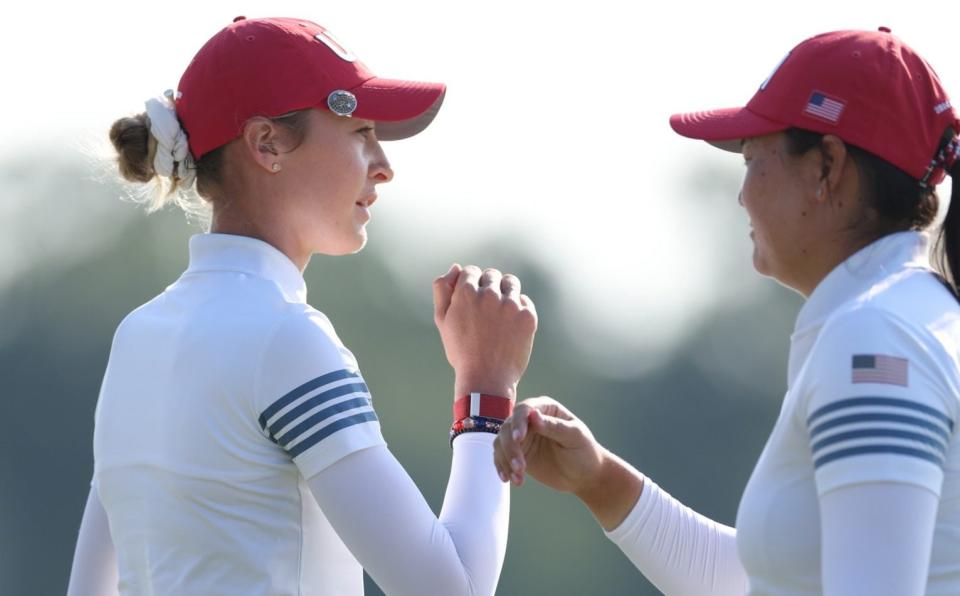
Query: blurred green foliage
(696, 425)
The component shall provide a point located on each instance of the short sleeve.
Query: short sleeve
(876, 406)
(310, 398)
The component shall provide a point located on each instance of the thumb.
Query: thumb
(564, 432)
(443, 290)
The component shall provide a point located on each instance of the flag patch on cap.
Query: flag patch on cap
(877, 368)
(823, 107)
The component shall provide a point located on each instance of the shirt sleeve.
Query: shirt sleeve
(680, 551)
(380, 515)
(310, 398)
(877, 407)
(876, 539)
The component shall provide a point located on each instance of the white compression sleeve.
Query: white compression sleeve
(94, 571)
(380, 515)
(680, 551)
(876, 539)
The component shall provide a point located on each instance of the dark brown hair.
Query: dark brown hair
(898, 199)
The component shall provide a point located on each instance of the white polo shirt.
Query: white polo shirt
(873, 397)
(220, 396)
(872, 404)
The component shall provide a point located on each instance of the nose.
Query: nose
(380, 170)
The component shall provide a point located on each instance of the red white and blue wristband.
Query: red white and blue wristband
(479, 412)
(481, 404)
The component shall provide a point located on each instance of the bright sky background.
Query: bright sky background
(554, 131)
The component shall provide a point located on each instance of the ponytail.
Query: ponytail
(136, 149)
(948, 242)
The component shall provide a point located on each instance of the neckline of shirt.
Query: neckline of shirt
(884, 257)
(243, 254)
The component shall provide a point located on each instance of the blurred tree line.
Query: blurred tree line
(696, 425)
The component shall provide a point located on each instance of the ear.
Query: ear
(836, 159)
(260, 138)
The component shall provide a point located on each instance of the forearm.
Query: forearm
(876, 539)
(680, 551)
(381, 516)
(476, 510)
(614, 492)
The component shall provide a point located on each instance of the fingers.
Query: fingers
(564, 432)
(510, 288)
(490, 281)
(527, 303)
(443, 291)
(508, 450)
(478, 317)
(510, 442)
(469, 277)
(538, 418)
(506, 286)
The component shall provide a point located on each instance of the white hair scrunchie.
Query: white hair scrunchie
(173, 152)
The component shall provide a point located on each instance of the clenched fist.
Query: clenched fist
(487, 328)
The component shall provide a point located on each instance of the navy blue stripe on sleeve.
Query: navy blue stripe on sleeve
(880, 401)
(879, 417)
(328, 430)
(878, 425)
(873, 449)
(880, 432)
(309, 404)
(312, 421)
(292, 396)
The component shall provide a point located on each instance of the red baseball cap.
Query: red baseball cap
(867, 87)
(273, 66)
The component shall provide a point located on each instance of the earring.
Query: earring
(275, 167)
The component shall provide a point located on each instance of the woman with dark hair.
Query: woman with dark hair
(236, 446)
(858, 488)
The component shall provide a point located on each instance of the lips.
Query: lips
(366, 202)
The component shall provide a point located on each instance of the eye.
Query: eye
(366, 130)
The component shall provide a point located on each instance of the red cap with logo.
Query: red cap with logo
(867, 87)
(273, 66)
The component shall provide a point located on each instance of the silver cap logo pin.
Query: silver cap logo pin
(342, 103)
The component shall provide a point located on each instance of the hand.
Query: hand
(487, 328)
(545, 439)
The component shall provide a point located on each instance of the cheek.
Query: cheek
(751, 191)
(347, 172)
(336, 166)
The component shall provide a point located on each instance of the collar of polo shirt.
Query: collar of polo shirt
(242, 254)
(902, 251)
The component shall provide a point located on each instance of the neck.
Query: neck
(227, 221)
(830, 255)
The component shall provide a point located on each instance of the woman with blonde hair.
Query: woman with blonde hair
(236, 446)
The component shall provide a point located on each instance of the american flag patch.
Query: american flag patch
(822, 107)
(877, 368)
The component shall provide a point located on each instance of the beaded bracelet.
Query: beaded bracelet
(474, 424)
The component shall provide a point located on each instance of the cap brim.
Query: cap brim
(401, 109)
(724, 128)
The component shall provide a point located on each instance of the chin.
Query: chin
(760, 264)
(356, 243)
(345, 246)
(360, 246)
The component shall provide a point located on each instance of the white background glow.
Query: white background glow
(554, 131)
